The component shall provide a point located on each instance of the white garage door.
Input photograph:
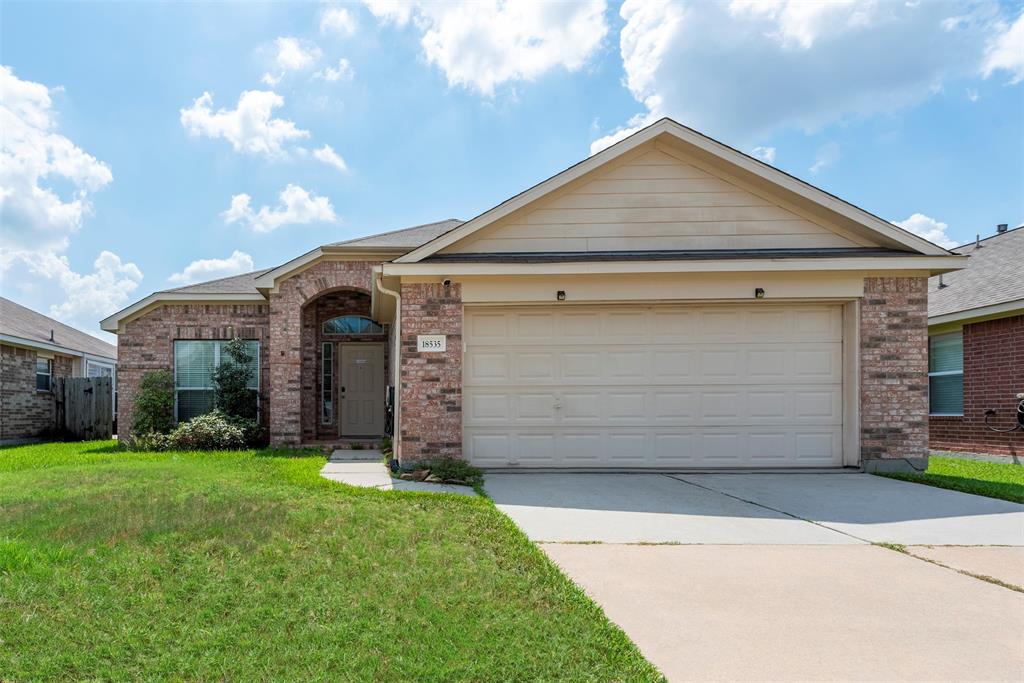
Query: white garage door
(654, 386)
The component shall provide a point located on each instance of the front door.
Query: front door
(362, 389)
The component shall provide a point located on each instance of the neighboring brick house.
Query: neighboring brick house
(667, 303)
(35, 350)
(976, 340)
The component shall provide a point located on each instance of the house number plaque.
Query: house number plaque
(431, 342)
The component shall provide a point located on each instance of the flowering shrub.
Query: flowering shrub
(212, 431)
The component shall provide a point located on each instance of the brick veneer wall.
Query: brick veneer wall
(25, 412)
(147, 344)
(894, 373)
(431, 383)
(318, 311)
(288, 401)
(993, 376)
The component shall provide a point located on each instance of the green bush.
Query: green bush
(231, 393)
(210, 432)
(147, 441)
(453, 469)
(154, 406)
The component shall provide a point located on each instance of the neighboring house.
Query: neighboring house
(34, 350)
(976, 341)
(668, 302)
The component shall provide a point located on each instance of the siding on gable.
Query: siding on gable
(654, 201)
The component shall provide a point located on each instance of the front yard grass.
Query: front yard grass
(992, 479)
(250, 566)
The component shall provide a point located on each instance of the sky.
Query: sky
(151, 145)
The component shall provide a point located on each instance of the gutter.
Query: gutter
(396, 356)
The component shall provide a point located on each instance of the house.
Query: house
(976, 347)
(34, 350)
(668, 302)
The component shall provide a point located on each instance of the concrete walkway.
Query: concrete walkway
(366, 469)
(774, 576)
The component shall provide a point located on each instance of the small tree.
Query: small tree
(231, 392)
(154, 406)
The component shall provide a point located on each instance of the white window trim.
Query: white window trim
(945, 373)
(48, 374)
(216, 362)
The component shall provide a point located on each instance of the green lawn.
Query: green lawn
(992, 479)
(249, 566)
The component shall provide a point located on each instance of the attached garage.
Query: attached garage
(654, 386)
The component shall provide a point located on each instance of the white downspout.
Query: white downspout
(396, 362)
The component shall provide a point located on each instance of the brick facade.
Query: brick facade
(894, 372)
(25, 412)
(431, 394)
(993, 376)
(147, 344)
(293, 403)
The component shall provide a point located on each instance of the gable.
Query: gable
(655, 199)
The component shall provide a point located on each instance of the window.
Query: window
(44, 373)
(352, 324)
(194, 363)
(327, 414)
(946, 374)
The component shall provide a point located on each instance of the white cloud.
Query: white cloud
(45, 179)
(343, 72)
(248, 127)
(481, 45)
(1006, 51)
(742, 70)
(297, 207)
(327, 155)
(270, 79)
(337, 20)
(91, 296)
(214, 268)
(765, 154)
(972, 95)
(295, 54)
(827, 155)
(932, 230)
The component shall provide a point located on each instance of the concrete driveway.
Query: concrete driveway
(774, 576)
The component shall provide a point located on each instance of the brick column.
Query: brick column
(894, 374)
(431, 383)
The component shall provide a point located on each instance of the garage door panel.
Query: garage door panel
(654, 386)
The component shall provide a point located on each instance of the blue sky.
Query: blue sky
(121, 178)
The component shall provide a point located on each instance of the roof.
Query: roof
(34, 328)
(669, 132)
(236, 284)
(406, 238)
(994, 275)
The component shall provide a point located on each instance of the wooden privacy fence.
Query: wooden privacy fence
(84, 407)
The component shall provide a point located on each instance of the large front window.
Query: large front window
(946, 374)
(194, 363)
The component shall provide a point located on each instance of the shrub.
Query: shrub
(154, 406)
(147, 441)
(231, 393)
(453, 469)
(212, 431)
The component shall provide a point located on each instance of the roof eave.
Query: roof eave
(49, 346)
(1001, 310)
(111, 323)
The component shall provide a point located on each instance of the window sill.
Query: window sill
(945, 414)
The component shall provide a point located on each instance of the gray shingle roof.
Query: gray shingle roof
(406, 238)
(994, 275)
(24, 323)
(236, 284)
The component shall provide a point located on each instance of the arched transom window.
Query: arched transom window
(352, 324)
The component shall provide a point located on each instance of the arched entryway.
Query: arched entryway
(344, 368)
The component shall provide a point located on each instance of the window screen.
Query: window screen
(946, 374)
(194, 363)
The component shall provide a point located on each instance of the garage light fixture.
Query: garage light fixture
(759, 293)
(560, 295)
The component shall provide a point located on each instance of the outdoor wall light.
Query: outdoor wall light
(560, 295)
(759, 293)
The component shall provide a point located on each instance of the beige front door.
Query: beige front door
(362, 389)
